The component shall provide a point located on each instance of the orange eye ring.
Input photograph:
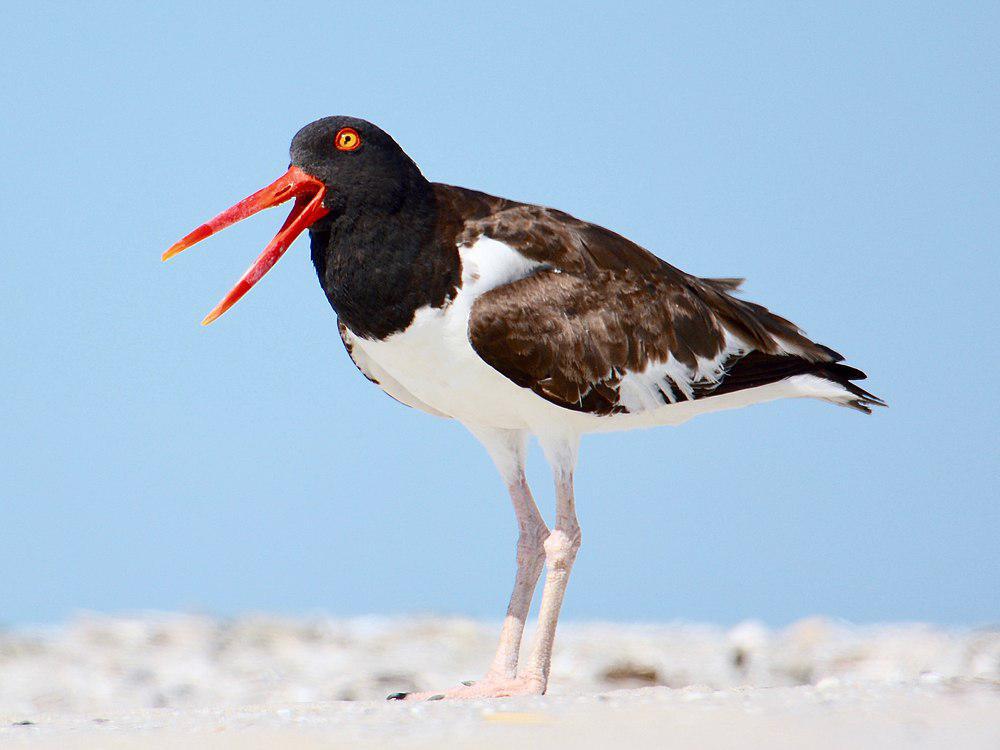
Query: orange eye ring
(347, 139)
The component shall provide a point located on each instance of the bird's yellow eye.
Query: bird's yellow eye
(347, 139)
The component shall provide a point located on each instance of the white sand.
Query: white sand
(187, 681)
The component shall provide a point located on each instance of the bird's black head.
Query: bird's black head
(359, 163)
(339, 165)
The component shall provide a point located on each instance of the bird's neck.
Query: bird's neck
(379, 264)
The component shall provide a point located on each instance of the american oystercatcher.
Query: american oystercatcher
(519, 320)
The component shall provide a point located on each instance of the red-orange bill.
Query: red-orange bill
(308, 193)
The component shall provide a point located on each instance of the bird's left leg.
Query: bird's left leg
(507, 448)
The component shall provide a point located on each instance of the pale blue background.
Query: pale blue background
(845, 160)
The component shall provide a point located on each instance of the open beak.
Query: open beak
(308, 193)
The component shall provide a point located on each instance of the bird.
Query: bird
(519, 321)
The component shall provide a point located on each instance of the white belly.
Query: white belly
(434, 360)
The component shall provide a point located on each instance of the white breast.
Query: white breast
(434, 360)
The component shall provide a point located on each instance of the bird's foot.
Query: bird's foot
(489, 687)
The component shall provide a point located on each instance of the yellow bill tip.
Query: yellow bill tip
(196, 236)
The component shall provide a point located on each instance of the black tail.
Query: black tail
(756, 369)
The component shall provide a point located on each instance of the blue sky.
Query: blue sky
(844, 159)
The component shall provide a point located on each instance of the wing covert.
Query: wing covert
(606, 327)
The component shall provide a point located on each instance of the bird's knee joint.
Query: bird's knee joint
(530, 546)
(561, 547)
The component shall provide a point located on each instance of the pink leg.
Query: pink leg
(530, 557)
(560, 552)
(507, 448)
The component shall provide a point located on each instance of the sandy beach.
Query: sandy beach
(170, 680)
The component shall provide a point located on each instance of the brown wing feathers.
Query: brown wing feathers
(601, 306)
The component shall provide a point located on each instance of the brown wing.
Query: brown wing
(601, 308)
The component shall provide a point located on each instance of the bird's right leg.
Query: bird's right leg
(508, 449)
